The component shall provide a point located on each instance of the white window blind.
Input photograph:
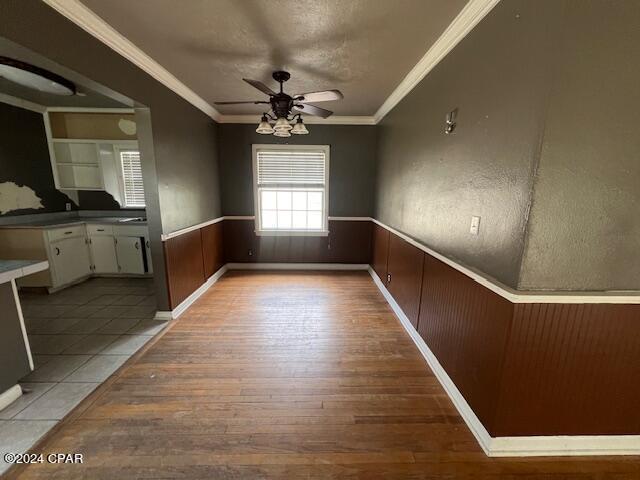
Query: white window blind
(133, 189)
(291, 189)
(290, 167)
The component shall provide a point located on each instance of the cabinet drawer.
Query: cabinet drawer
(66, 232)
(94, 230)
(131, 230)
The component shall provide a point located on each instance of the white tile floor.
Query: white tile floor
(79, 337)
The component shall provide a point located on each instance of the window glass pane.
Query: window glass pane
(269, 219)
(284, 217)
(299, 219)
(299, 200)
(284, 200)
(268, 200)
(314, 220)
(315, 201)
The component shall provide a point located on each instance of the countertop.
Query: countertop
(65, 222)
(11, 269)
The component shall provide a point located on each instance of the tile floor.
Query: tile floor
(79, 337)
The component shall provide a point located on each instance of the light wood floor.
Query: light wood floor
(286, 375)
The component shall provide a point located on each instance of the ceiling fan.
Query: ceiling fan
(282, 104)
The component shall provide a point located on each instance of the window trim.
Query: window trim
(117, 150)
(324, 231)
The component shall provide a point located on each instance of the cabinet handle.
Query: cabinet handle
(68, 233)
(57, 251)
(147, 243)
(100, 229)
(137, 246)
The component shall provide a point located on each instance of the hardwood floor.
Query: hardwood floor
(286, 375)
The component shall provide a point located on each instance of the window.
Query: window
(291, 189)
(131, 170)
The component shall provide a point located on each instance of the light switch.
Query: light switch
(475, 226)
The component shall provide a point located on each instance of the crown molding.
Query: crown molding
(96, 26)
(465, 21)
(333, 120)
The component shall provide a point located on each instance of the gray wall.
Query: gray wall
(184, 179)
(546, 148)
(351, 169)
(431, 184)
(24, 158)
(584, 230)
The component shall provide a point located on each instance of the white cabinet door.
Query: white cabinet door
(129, 253)
(103, 254)
(70, 258)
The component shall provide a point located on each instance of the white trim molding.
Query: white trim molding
(9, 396)
(166, 236)
(520, 296)
(191, 299)
(508, 293)
(297, 266)
(86, 19)
(567, 445)
(473, 12)
(465, 21)
(309, 120)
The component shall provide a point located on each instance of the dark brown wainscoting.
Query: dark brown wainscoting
(212, 248)
(405, 274)
(380, 251)
(347, 242)
(571, 369)
(185, 268)
(465, 325)
(525, 369)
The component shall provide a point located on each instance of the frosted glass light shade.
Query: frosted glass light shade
(282, 133)
(282, 124)
(299, 128)
(265, 127)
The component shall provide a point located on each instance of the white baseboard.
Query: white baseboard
(187, 302)
(570, 445)
(9, 396)
(297, 266)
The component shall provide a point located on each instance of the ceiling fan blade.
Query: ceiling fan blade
(323, 96)
(260, 86)
(252, 102)
(313, 110)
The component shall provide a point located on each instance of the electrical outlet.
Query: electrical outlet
(388, 278)
(68, 206)
(250, 252)
(475, 225)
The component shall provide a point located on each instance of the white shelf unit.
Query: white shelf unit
(79, 164)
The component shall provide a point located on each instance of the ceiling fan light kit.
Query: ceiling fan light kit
(282, 105)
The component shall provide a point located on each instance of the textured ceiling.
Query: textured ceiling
(362, 47)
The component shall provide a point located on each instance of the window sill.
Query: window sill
(292, 233)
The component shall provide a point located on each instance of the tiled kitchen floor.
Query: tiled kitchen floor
(79, 337)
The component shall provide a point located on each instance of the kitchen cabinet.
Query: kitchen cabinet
(103, 249)
(129, 251)
(70, 260)
(103, 254)
(78, 251)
